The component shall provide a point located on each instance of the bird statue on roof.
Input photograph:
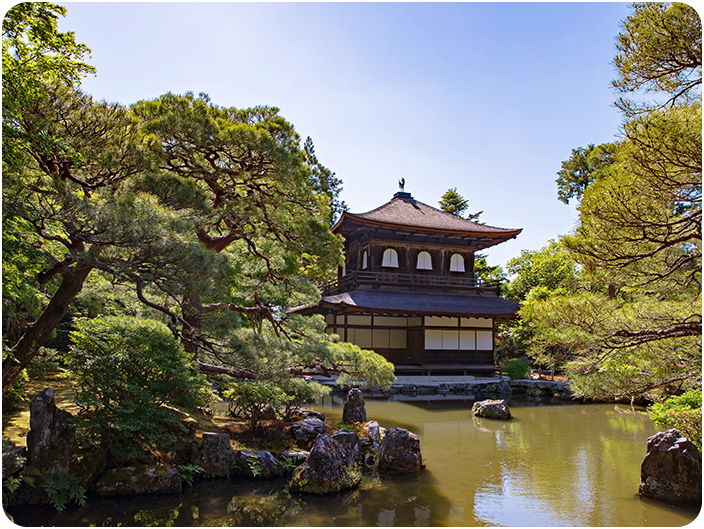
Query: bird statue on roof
(401, 184)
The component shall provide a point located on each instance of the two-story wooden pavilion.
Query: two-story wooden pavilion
(408, 291)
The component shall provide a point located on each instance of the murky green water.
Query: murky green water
(564, 465)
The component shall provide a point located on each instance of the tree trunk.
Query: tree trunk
(37, 334)
(192, 313)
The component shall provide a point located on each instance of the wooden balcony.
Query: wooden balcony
(355, 278)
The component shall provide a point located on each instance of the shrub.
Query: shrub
(128, 371)
(299, 391)
(516, 368)
(258, 399)
(254, 400)
(682, 412)
(16, 394)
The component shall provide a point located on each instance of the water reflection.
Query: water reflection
(550, 465)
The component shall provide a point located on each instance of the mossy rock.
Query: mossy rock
(152, 479)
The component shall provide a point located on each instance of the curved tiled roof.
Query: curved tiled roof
(405, 211)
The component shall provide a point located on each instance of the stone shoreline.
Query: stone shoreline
(479, 387)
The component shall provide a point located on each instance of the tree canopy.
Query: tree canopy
(633, 327)
(216, 219)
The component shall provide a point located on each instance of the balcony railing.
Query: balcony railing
(355, 278)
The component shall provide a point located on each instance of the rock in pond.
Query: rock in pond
(304, 413)
(400, 452)
(354, 410)
(350, 442)
(672, 469)
(152, 479)
(307, 431)
(51, 435)
(327, 469)
(258, 464)
(491, 409)
(373, 432)
(295, 458)
(216, 455)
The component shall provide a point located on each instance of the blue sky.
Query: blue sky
(489, 98)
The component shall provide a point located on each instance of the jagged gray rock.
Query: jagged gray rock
(372, 430)
(51, 435)
(215, 455)
(258, 464)
(354, 410)
(350, 442)
(326, 470)
(307, 431)
(297, 458)
(299, 411)
(491, 409)
(672, 469)
(400, 452)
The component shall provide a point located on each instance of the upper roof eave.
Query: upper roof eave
(493, 232)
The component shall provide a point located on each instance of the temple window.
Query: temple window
(364, 260)
(390, 259)
(456, 263)
(425, 262)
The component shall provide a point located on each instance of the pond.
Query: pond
(553, 464)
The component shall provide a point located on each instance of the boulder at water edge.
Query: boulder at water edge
(139, 480)
(307, 431)
(259, 464)
(672, 469)
(216, 455)
(350, 442)
(400, 452)
(51, 435)
(326, 470)
(354, 410)
(372, 431)
(491, 409)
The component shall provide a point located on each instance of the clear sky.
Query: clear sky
(489, 98)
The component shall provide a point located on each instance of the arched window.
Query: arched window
(425, 262)
(390, 259)
(456, 263)
(364, 260)
(344, 269)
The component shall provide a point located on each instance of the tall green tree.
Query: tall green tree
(659, 53)
(584, 166)
(636, 321)
(455, 204)
(552, 268)
(262, 217)
(66, 163)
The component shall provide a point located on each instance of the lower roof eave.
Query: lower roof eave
(348, 308)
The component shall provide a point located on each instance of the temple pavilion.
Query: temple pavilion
(407, 289)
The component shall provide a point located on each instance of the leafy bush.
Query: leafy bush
(516, 368)
(299, 391)
(127, 372)
(257, 400)
(682, 412)
(16, 394)
(61, 488)
(254, 400)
